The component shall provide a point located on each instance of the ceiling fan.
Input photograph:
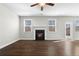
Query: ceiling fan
(42, 5)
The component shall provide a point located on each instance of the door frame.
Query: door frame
(71, 31)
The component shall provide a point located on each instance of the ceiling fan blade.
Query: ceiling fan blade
(41, 8)
(50, 4)
(34, 4)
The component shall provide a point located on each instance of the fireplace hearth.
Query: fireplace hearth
(39, 34)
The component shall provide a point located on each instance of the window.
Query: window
(51, 25)
(67, 29)
(77, 25)
(27, 25)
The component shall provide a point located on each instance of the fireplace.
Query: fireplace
(39, 34)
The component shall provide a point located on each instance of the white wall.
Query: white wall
(9, 26)
(76, 33)
(43, 20)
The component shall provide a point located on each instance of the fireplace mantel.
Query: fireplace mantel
(36, 27)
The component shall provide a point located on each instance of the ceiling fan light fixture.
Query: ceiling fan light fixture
(41, 4)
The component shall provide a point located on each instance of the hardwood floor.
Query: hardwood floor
(34, 48)
(75, 48)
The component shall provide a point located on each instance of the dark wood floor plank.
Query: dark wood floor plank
(33, 48)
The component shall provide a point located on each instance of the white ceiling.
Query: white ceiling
(59, 9)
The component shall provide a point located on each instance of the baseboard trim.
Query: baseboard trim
(34, 39)
(8, 43)
(26, 39)
(54, 39)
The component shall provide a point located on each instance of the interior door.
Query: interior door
(69, 30)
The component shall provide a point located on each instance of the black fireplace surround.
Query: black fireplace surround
(39, 34)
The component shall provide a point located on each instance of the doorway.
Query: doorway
(69, 30)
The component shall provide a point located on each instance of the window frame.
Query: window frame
(52, 25)
(76, 25)
(28, 25)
